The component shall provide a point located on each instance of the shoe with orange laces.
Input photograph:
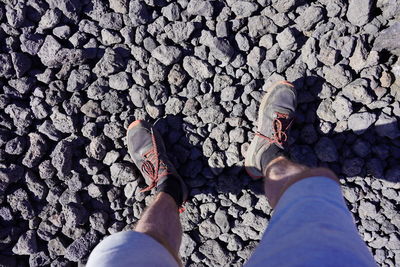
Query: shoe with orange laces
(275, 116)
(147, 150)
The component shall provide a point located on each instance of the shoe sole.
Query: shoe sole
(251, 170)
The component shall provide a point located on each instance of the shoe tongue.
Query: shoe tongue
(271, 153)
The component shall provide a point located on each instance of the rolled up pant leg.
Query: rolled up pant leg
(312, 226)
(130, 248)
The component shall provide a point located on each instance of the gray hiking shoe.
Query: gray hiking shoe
(147, 150)
(275, 116)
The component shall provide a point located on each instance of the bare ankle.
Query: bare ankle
(282, 173)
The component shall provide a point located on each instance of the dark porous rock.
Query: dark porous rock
(179, 31)
(389, 39)
(122, 173)
(49, 20)
(139, 13)
(36, 186)
(75, 215)
(48, 52)
(358, 12)
(159, 93)
(112, 102)
(26, 244)
(70, 8)
(357, 91)
(98, 147)
(39, 259)
(62, 122)
(393, 174)
(287, 39)
(188, 246)
(221, 219)
(221, 49)
(19, 201)
(6, 215)
(112, 21)
(326, 112)
(171, 11)
(56, 247)
(285, 5)
(82, 246)
(177, 75)
(47, 128)
(47, 230)
(352, 167)
(31, 43)
(61, 157)
(16, 146)
(229, 93)
(209, 229)
(328, 56)
(305, 155)
(310, 17)
(342, 108)
(360, 122)
(37, 149)
(23, 85)
(215, 253)
(366, 209)
(46, 170)
(173, 106)
(242, 42)
(337, 75)
(308, 134)
(78, 80)
(217, 162)
(91, 109)
(200, 8)
(326, 150)
(362, 57)
(15, 14)
(167, 55)
(138, 95)
(120, 81)
(98, 221)
(114, 130)
(260, 25)
(211, 114)
(243, 9)
(91, 166)
(361, 148)
(387, 126)
(22, 117)
(197, 69)
(6, 66)
(22, 63)
(157, 71)
(110, 63)
(284, 60)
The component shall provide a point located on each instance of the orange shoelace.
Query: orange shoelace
(281, 125)
(152, 165)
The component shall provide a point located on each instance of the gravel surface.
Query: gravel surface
(74, 74)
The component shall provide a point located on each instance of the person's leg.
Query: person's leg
(281, 172)
(311, 225)
(156, 238)
(161, 221)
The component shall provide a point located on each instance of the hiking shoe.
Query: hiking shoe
(275, 116)
(147, 150)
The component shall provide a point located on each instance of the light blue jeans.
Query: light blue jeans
(311, 226)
